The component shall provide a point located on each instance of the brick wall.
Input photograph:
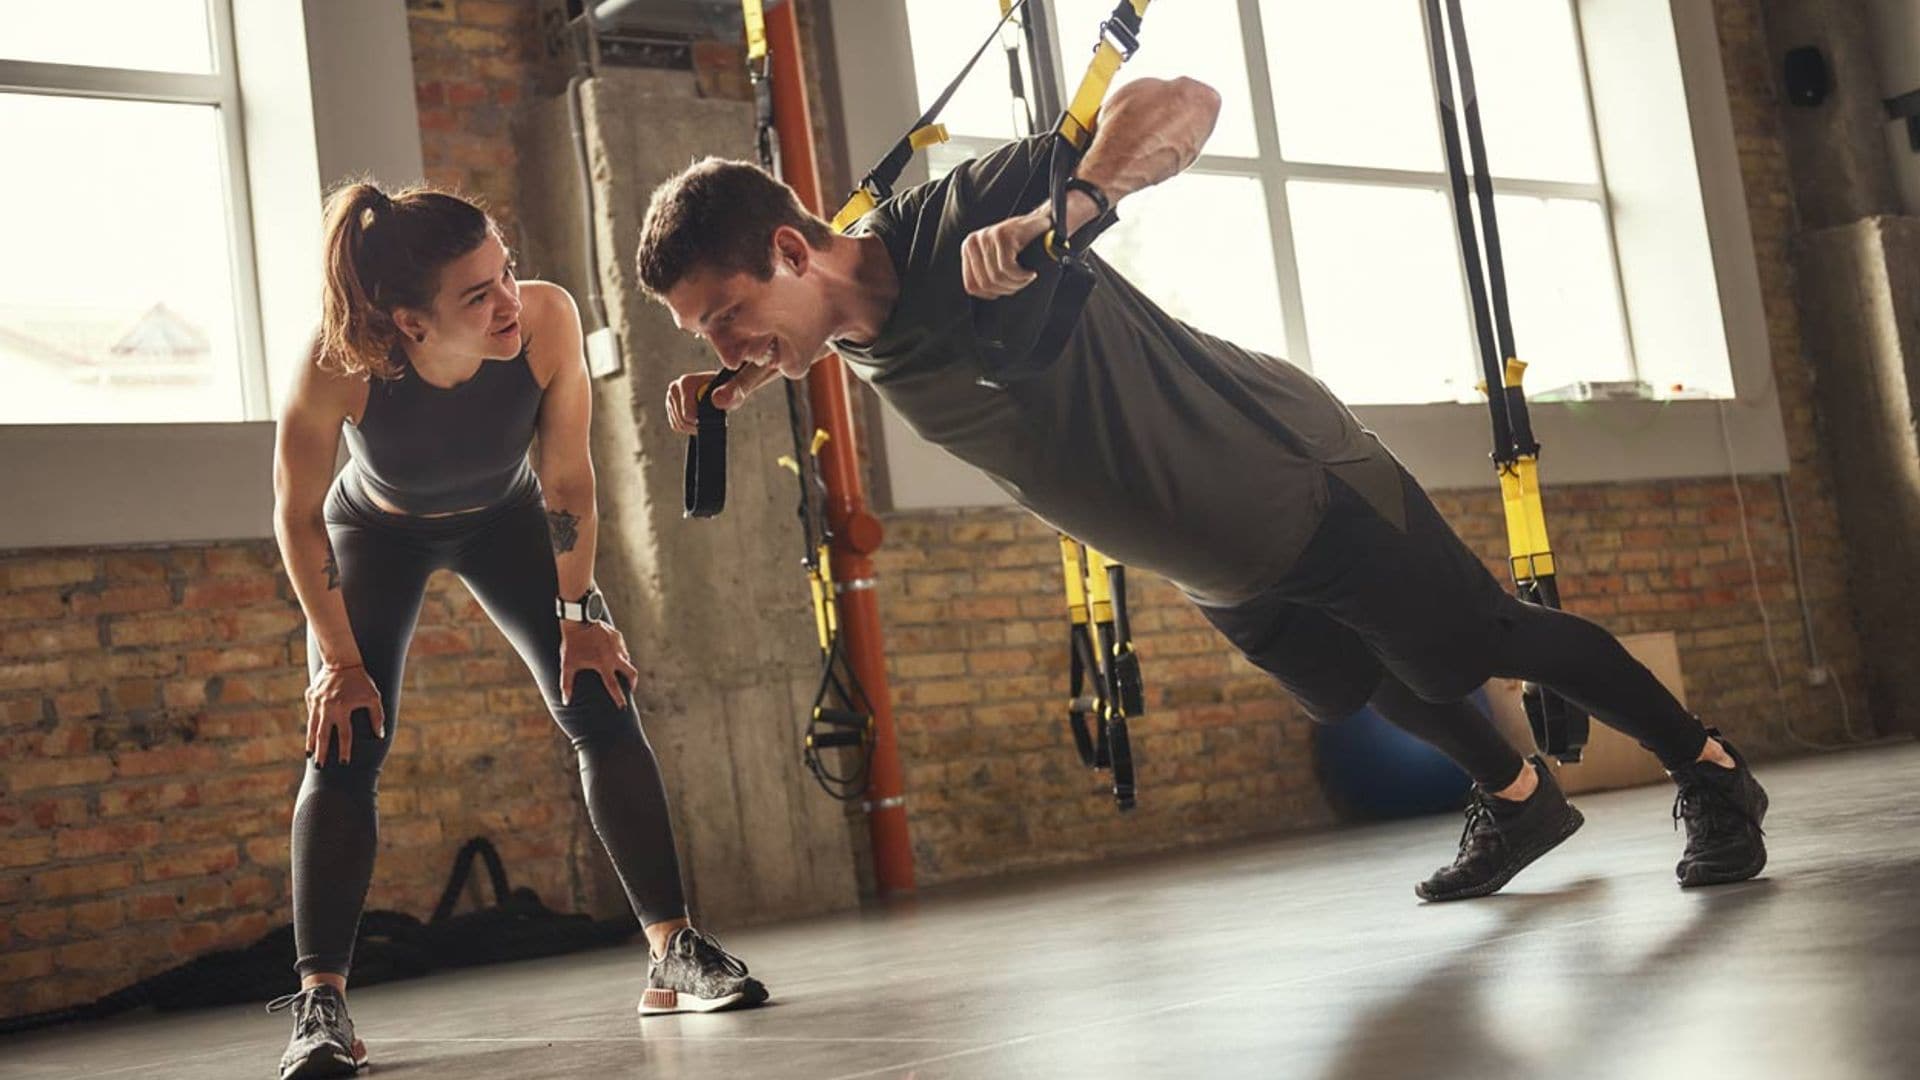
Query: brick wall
(151, 725)
(977, 652)
(473, 63)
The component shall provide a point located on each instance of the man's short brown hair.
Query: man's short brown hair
(718, 215)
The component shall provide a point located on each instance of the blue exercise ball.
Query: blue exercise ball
(1372, 770)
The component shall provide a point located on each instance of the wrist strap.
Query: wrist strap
(1102, 205)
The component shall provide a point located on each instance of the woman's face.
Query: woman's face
(477, 310)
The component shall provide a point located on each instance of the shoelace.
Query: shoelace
(321, 1011)
(1480, 817)
(1706, 801)
(704, 948)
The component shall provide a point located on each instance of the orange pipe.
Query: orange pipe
(856, 532)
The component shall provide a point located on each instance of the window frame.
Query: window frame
(1666, 57)
(219, 89)
(1272, 170)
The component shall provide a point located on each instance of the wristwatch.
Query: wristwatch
(589, 608)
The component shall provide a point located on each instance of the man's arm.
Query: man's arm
(1149, 131)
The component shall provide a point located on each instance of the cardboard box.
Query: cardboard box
(1611, 760)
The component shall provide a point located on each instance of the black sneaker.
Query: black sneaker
(323, 1042)
(1723, 809)
(1501, 837)
(696, 975)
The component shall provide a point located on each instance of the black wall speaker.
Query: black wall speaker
(1808, 78)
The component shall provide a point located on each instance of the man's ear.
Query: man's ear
(791, 250)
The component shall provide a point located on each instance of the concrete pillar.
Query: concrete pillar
(1857, 267)
(716, 611)
(1837, 150)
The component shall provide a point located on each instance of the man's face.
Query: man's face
(780, 322)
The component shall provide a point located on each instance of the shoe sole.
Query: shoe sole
(1575, 819)
(659, 1002)
(320, 1066)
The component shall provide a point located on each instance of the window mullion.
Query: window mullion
(1602, 194)
(255, 398)
(1293, 308)
(78, 80)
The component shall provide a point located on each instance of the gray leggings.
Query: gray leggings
(504, 556)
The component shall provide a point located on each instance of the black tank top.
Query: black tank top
(424, 450)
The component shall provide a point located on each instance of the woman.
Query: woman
(440, 368)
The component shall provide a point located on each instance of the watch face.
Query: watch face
(596, 606)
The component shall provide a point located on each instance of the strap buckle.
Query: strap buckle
(1124, 39)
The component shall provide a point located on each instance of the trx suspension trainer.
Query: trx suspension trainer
(842, 716)
(1559, 728)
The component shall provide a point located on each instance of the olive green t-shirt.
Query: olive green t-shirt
(1164, 447)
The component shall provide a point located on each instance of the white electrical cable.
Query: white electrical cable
(1814, 659)
(1759, 600)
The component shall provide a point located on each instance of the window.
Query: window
(1325, 181)
(127, 293)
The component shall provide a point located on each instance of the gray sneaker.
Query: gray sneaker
(695, 974)
(323, 1043)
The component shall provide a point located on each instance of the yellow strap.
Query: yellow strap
(756, 30)
(1099, 589)
(1075, 578)
(820, 608)
(1076, 126)
(826, 586)
(858, 205)
(1529, 553)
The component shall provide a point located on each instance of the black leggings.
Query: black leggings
(1580, 661)
(1395, 611)
(504, 556)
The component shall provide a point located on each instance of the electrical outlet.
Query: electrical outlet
(1819, 675)
(603, 353)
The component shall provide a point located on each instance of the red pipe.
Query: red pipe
(856, 532)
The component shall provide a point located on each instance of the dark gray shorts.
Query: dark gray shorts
(1368, 598)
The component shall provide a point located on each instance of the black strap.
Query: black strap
(706, 475)
(1559, 728)
(1019, 336)
(880, 179)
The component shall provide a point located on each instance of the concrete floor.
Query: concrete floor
(1306, 957)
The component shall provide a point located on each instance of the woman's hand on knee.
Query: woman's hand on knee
(596, 647)
(333, 696)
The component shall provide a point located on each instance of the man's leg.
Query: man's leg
(1332, 672)
(1719, 799)
(1428, 608)
(1516, 812)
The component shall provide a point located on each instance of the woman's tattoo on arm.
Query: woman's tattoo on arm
(332, 569)
(565, 528)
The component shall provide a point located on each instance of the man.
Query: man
(1238, 477)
